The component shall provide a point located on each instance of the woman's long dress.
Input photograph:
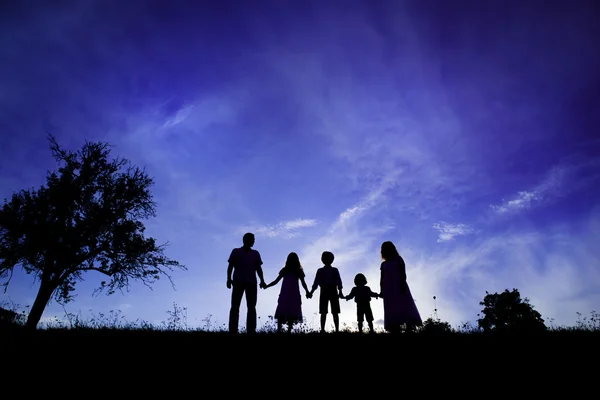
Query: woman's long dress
(398, 305)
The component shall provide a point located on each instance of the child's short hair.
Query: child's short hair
(327, 258)
(360, 280)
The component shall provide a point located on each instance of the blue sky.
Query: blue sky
(466, 135)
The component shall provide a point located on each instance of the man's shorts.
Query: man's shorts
(363, 311)
(326, 297)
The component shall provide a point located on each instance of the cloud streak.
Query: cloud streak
(448, 231)
(559, 182)
(285, 229)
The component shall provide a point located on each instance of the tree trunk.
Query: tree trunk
(39, 305)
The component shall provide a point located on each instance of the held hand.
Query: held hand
(263, 285)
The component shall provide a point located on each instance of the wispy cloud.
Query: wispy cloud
(560, 181)
(449, 231)
(370, 200)
(286, 229)
(523, 200)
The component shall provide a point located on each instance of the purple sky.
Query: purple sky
(464, 131)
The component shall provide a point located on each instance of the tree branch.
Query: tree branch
(5, 284)
(94, 269)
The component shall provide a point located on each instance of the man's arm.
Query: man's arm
(229, 272)
(259, 271)
(230, 266)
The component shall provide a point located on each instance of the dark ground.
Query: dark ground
(301, 365)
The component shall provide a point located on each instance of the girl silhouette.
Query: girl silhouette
(289, 304)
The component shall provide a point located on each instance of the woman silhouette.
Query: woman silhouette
(399, 307)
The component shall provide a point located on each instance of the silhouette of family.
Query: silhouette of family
(245, 265)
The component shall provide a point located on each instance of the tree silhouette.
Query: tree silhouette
(507, 312)
(86, 218)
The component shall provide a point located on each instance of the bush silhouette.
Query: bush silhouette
(507, 312)
(435, 326)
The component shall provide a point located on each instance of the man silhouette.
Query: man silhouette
(245, 263)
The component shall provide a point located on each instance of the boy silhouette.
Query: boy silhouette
(329, 280)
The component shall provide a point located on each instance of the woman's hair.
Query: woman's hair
(389, 251)
(360, 280)
(292, 263)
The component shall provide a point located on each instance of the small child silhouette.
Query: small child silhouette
(362, 294)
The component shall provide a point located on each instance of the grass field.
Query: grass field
(434, 353)
(174, 363)
(114, 330)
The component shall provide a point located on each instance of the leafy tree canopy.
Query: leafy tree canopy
(88, 217)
